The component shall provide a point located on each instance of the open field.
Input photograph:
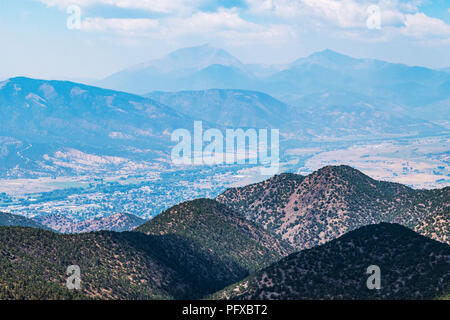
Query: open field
(418, 163)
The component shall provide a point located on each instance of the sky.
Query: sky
(83, 40)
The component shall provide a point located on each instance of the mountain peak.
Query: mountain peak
(325, 58)
(190, 58)
(339, 170)
(327, 53)
(341, 196)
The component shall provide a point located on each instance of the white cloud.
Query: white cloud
(420, 25)
(121, 26)
(285, 19)
(337, 13)
(225, 24)
(347, 18)
(223, 19)
(162, 6)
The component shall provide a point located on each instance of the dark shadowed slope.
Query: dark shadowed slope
(411, 267)
(237, 246)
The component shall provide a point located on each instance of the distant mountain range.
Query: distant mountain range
(326, 95)
(405, 90)
(337, 269)
(310, 210)
(204, 248)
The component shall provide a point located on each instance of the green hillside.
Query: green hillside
(189, 251)
(411, 267)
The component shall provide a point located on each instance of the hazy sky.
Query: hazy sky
(115, 34)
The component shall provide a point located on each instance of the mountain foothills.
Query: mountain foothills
(15, 220)
(411, 267)
(189, 251)
(64, 128)
(327, 116)
(117, 222)
(244, 245)
(310, 210)
(232, 108)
